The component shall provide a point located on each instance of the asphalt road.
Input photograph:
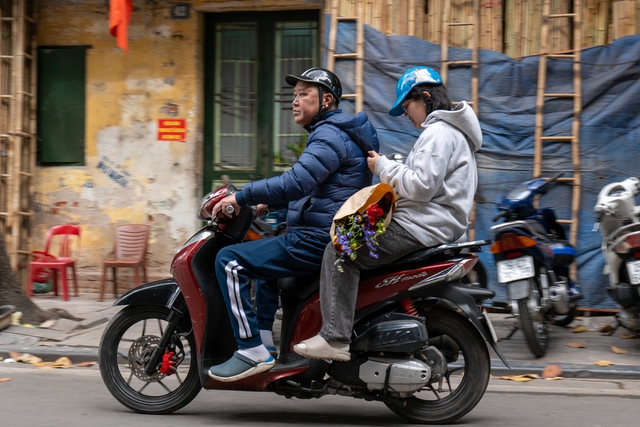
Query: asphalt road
(77, 397)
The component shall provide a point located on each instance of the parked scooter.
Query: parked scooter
(419, 340)
(618, 218)
(532, 259)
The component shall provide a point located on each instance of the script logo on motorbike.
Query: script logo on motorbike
(400, 278)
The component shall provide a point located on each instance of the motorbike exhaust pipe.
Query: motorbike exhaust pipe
(560, 298)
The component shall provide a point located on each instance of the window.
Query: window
(61, 105)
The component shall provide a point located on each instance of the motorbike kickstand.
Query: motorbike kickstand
(514, 328)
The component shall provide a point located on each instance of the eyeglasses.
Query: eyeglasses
(405, 104)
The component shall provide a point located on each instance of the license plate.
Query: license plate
(633, 268)
(515, 269)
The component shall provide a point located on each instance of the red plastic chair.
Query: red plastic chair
(62, 244)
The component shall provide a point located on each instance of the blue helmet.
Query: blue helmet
(413, 77)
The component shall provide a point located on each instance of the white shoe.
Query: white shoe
(319, 348)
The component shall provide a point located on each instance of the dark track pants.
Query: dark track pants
(265, 260)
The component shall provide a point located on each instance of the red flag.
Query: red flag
(119, 17)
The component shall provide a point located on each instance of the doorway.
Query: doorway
(249, 129)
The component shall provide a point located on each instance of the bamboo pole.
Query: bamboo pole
(577, 112)
(359, 59)
(445, 42)
(332, 34)
(411, 31)
(542, 81)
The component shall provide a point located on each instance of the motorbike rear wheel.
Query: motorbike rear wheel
(468, 371)
(126, 342)
(532, 321)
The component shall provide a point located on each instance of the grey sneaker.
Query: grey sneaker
(239, 367)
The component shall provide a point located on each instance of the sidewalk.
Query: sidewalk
(79, 340)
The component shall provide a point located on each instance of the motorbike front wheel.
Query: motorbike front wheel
(467, 375)
(126, 344)
(532, 321)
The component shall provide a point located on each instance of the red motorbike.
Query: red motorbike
(419, 342)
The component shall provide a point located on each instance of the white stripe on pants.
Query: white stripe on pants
(233, 286)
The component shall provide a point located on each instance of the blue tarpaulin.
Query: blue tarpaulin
(609, 126)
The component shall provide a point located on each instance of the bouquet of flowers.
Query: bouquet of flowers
(361, 220)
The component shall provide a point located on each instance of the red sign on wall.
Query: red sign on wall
(172, 130)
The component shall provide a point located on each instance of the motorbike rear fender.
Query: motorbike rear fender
(453, 297)
(518, 289)
(162, 293)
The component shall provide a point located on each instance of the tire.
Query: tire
(468, 370)
(565, 319)
(532, 321)
(131, 335)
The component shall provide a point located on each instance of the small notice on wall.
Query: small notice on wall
(172, 130)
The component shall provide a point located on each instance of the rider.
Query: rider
(332, 167)
(435, 188)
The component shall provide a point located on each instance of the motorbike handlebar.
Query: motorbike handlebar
(547, 185)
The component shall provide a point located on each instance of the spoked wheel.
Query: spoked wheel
(532, 321)
(466, 378)
(127, 343)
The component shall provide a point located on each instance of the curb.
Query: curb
(498, 369)
(628, 372)
(51, 354)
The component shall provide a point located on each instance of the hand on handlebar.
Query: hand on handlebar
(227, 206)
(261, 211)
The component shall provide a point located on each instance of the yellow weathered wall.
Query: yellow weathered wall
(160, 182)
(125, 97)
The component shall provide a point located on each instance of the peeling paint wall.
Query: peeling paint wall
(129, 176)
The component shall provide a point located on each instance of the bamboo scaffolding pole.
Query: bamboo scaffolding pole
(13, 184)
(359, 59)
(412, 18)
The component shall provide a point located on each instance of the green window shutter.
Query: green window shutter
(61, 105)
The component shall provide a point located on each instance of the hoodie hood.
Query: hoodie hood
(463, 118)
(358, 127)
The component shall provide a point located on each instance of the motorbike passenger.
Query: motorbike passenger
(332, 167)
(435, 188)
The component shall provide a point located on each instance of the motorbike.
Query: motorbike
(532, 259)
(419, 339)
(618, 219)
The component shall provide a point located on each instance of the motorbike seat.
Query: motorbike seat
(301, 287)
(444, 250)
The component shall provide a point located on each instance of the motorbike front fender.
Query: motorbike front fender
(159, 293)
(467, 304)
(518, 289)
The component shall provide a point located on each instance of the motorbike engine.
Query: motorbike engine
(399, 375)
(392, 333)
(392, 356)
(559, 296)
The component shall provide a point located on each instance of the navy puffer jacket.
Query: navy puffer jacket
(332, 167)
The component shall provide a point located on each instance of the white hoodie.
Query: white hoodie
(437, 182)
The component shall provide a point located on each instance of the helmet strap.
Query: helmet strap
(322, 108)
